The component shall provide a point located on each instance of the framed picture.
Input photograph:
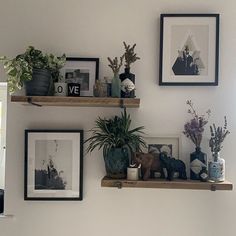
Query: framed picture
(83, 71)
(189, 49)
(168, 144)
(53, 165)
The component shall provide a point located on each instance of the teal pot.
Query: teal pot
(41, 83)
(116, 163)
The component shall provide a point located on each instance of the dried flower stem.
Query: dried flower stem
(115, 65)
(218, 135)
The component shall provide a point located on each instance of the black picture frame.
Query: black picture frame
(90, 74)
(199, 74)
(34, 137)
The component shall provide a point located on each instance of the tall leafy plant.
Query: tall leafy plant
(115, 133)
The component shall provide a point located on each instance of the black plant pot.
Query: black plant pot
(41, 83)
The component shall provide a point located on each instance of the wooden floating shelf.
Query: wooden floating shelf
(77, 101)
(175, 184)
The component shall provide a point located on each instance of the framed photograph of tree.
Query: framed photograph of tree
(189, 49)
(53, 165)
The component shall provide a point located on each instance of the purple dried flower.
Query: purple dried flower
(195, 128)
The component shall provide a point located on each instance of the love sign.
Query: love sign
(73, 89)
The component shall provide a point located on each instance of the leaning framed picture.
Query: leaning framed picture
(84, 71)
(189, 49)
(53, 165)
(168, 144)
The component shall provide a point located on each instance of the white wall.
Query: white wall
(94, 28)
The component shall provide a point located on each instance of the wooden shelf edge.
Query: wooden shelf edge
(175, 184)
(77, 101)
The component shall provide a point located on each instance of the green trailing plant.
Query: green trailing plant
(115, 64)
(20, 68)
(115, 133)
(130, 55)
(218, 135)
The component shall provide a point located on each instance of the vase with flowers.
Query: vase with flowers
(194, 130)
(127, 78)
(217, 164)
(115, 65)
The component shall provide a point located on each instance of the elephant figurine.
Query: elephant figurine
(173, 165)
(150, 163)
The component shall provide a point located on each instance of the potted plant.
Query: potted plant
(118, 141)
(127, 78)
(36, 70)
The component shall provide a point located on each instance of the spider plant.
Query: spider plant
(115, 133)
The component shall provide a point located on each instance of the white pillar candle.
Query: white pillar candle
(132, 173)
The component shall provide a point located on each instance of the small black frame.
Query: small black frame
(61, 141)
(75, 63)
(170, 71)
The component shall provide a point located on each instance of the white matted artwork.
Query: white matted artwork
(84, 71)
(53, 165)
(168, 144)
(189, 48)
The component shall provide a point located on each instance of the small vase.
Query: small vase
(197, 161)
(127, 84)
(217, 168)
(115, 87)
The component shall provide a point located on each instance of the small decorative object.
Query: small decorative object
(73, 89)
(194, 131)
(53, 165)
(108, 83)
(133, 172)
(60, 89)
(189, 49)
(97, 88)
(173, 165)
(118, 141)
(100, 89)
(127, 78)
(203, 175)
(84, 71)
(115, 65)
(217, 164)
(150, 164)
(35, 70)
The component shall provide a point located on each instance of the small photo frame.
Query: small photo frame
(53, 165)
(168, 144)
(84, 71)
(189, 49)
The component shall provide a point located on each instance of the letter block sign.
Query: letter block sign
(73, 90)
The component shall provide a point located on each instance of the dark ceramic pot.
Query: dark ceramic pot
(116, 163)
(41, 83)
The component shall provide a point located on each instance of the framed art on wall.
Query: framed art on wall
(168, 144)
(189, 49)
(53, 164)
(84, 71)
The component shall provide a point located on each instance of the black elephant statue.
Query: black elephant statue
(173, 165)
